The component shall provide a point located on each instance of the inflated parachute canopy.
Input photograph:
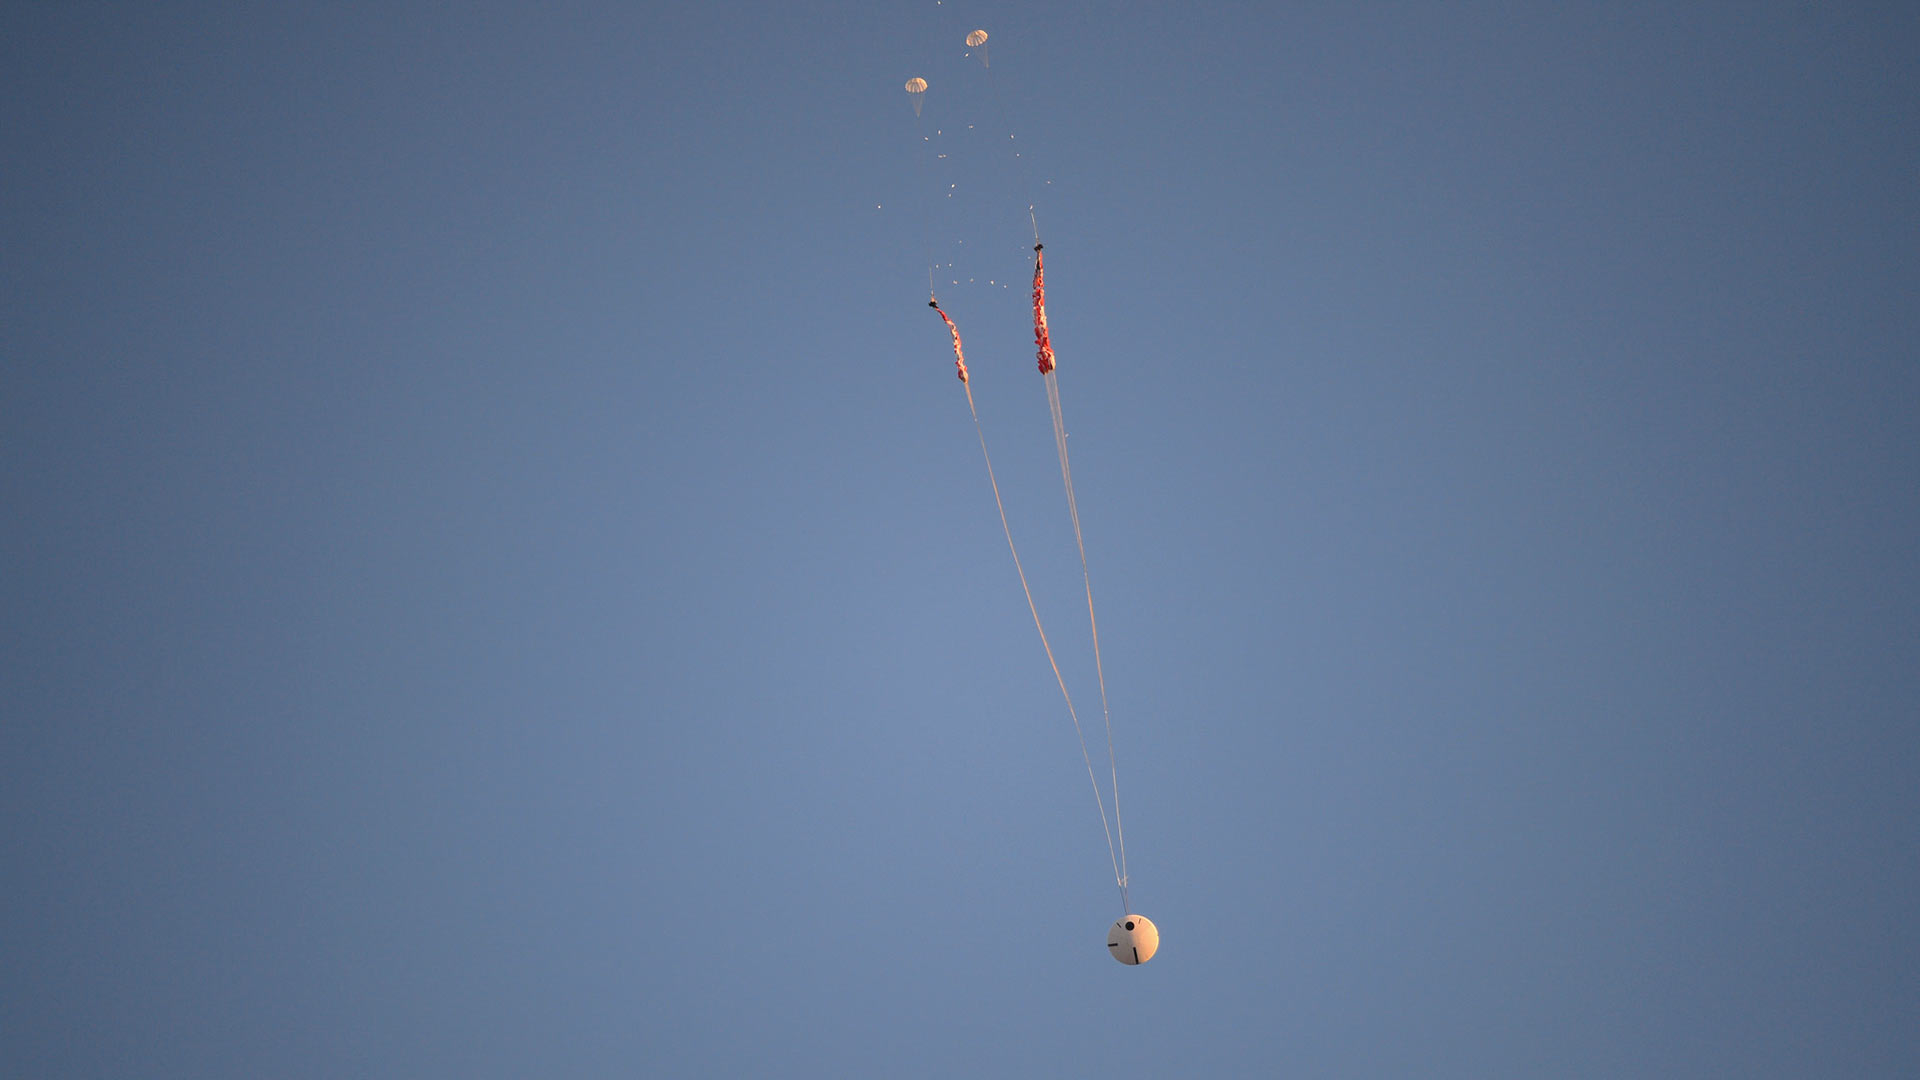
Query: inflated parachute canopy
(978, 40)
(916, 86)
(1133, 940)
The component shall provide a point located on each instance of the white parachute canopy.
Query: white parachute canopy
(978, 40)
(916, 86)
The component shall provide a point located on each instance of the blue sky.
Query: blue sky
(500, 579)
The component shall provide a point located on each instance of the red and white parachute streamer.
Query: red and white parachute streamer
(1041, 339)
(959, 357)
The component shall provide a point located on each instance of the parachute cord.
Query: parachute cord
(1119, 875)
(1023, 167)
(926, 184)
(1093, 625)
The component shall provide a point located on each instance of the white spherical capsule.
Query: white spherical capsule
(1133, 939)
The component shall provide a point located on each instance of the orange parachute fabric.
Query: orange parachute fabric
(959, 358)
(1040, 337)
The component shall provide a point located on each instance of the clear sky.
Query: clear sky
(497, 579)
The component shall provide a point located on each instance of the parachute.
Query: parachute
(959, 358)
(1133, 939)
(978, 40)
(1041, 338)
